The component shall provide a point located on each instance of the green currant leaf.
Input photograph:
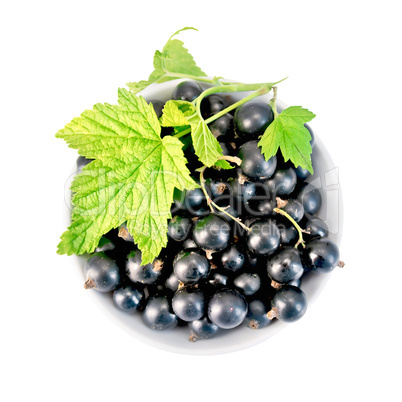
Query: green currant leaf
(131, 180)
(288, 133)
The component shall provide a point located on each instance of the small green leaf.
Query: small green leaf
(223, 164)
(174, 59)
(206, 146)
(176, 113)
(288, 133)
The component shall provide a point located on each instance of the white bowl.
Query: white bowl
(177, 339)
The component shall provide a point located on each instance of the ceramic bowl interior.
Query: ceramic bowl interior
(177, 339)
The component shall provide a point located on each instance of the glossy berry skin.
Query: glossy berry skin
(285, 266)
(190, 266)
(302, 173)
(212, 104)
(254, 164)
(321, 255)
(186, 91)
(127, 298)
(316, 227)
(179, 228)
(158, 106)
(157, 314)
(202, 329)
(310, 198)
(222, 128)
(264, 237)
(172, 282)
(189, 200)
(218, 279)
(265, 207)
(217, 187)
(101, 273)
(295, 209)
(242, 190)
(252, 118)
(232, 259)
(145, 274)
(283, 182)
(256, 317)
(189, 243)
(227, 308)
(212, 233)
(290, 303)
(247, 283)
(289, 235)
(188, 304)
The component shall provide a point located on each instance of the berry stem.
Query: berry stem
(273, 102)
(259, 89)
(296, 225)
(213, 205)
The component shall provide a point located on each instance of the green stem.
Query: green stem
(191, 77)
(273, 102)
(202, 182)
(212, 204)
(296, 225)
(260, 89)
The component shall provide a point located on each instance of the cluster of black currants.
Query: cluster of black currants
(238, 249)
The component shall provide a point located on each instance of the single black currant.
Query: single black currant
(101, 273)
(288, 304)
(247, 283)
(212, 233)
(256, 317)
(310, 198)
(283, 182)
(295, 209)
(242, 189)
(227, 308)
(188, 304)
(202, 329)
(212, 104)
(254, 164)
(190, 266)
(285, 266)
(321, 255)
(252, 118)
(232, 259)
(187, 91)
(179, 228)
(158, 315)
(316, 228)
(127, 298)
(145, 274)
(264, 237)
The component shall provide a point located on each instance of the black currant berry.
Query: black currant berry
(212, 233)
(227, 308)
(187, 91)
(288, 304)
(264, 237)
(101, 273)
(252, 118)
(254, 164)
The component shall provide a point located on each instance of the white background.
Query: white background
(343, 62)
